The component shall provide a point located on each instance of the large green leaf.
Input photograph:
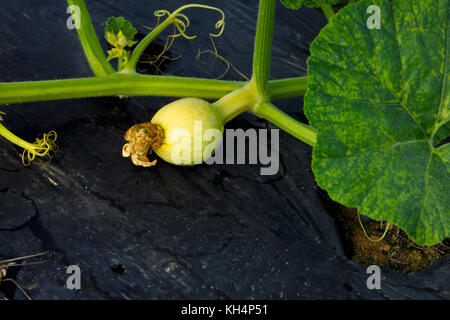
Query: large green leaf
(377, 98)
(296, 4)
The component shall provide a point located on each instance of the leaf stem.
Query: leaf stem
(89, 41)
(328, 11)
(287, 88)
(263, 47)
(297, 129)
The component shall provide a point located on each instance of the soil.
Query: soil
(396, 250)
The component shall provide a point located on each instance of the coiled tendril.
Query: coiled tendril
(181, 21)
(365, 233)
(42, 148)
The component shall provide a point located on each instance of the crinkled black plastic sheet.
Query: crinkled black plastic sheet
(205, 232)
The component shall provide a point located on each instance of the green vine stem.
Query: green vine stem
(89, 41)
(328, 11)
(263, 47)
(235, 103)
(297, 129)
(113, 85)
(138, 85)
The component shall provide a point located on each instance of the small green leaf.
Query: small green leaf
(377, 98)
(115, 53)
(119, 32)
(296, 4)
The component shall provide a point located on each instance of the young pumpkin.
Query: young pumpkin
(176, 134)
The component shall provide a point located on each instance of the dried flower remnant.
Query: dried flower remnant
(141, 139)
